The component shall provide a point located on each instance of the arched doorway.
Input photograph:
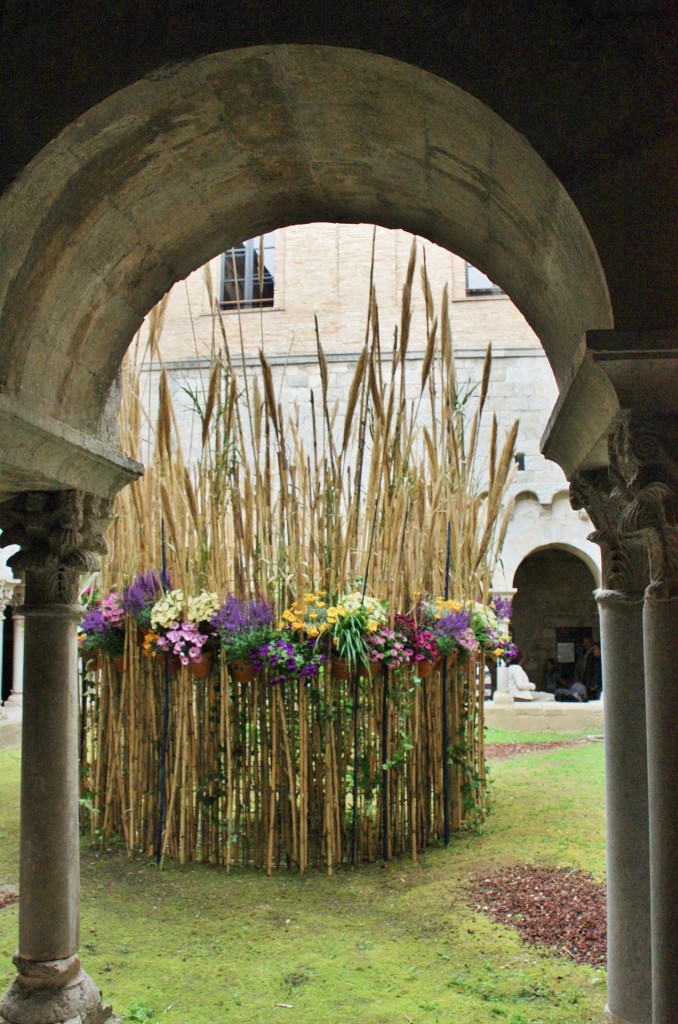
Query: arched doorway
(554, 608)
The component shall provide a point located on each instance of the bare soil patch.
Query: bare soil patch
(562, 909)
(501, 751)
(8, 895)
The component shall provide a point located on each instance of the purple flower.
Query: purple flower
(144, 590)
(236, 616)
(94, 622)
(453, 624)
(503, 607)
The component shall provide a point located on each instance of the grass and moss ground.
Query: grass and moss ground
(374, 946)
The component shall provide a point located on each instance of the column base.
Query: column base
(612, 1018)
(53, 992)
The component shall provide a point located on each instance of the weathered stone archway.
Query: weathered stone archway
(164, 174)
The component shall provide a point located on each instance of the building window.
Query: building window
(248, 277)
(478, 283)
(519, 459)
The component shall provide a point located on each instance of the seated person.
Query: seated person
(575, 693)
(519, 685)
(551, 676)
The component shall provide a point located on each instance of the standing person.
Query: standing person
(584, 670)
(597, 686)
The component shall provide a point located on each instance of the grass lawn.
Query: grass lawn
(374, 946)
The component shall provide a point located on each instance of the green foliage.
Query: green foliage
(139, 1013)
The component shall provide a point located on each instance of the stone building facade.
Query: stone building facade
(323, 270)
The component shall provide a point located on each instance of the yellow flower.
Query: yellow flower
(149, 639)
(498, 652)
(313, 615)
(281, 624)
(341, 610)
(372, 626)
(313, 631)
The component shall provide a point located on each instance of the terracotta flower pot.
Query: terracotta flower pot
(422, 669)
(344, 669)
(242, 671)
(201, 668)
(173, 663)
(341, 669)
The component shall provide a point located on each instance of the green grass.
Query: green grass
(195, 945)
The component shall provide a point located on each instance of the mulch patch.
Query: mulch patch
(558, 908)
(8, 895)
(501, 751)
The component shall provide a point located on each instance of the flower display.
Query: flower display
(285, 657)
(184, 640)
(202, 606)
(422, 641)
(140, 596)
(168, 610)
(351, 619)
(103, 626)
(389, 648)
(243, 627)
(453, 632)
(356, 625)
(502, 608)
(309, 614)
(183, 625)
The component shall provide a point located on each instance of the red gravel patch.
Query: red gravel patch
(501, 751)
(8, 895)
(561, 909)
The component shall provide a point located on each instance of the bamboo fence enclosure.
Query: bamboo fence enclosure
(385, 496)
(263, 776)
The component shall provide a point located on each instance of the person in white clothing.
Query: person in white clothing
(519, 685)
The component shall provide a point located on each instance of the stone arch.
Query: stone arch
(554, 587)
(161, 176)
(535, 526)
(570, 549)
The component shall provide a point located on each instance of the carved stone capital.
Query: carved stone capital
(61, 535)
(625, 563)
(644, 457)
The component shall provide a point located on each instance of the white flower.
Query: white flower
(202, 607)
(168, 609)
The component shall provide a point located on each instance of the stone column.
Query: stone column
(625, 574)
(6, 594)
(17, 694)
(646, 451)
(60, 535)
